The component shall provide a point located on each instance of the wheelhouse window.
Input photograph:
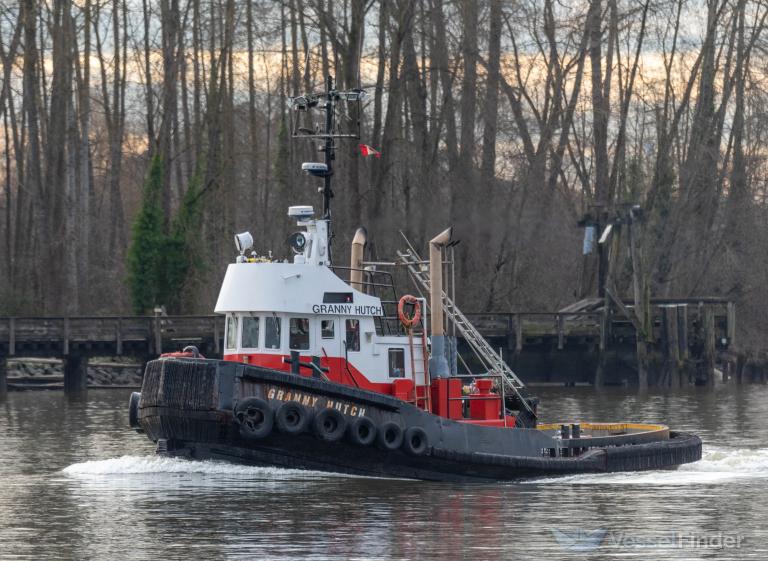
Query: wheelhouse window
(231, 339)
(397, 363)
(353, 335)
(272, 333)
(298, 339)
(250, 339)
(326, 329)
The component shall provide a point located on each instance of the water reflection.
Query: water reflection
(78, 484)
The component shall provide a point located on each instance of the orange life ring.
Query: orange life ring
(404, 319)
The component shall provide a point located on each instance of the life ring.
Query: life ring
(416, 441)
(362, 431)
(292, 418)
(255, 417)
(404, 319)
(330, 425)
(390, 436)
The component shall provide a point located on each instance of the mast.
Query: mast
(329, 153)
(329, 157)
(327, 101)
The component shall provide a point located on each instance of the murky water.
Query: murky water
(76, 483)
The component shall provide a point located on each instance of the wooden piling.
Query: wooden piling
(119, 336)
(603, 329)
(65, 340)
(11, 336)
(708, 318)
(560, 332)
(518, 333)
(671, 346)
(75, 373)
(158, 336)
(3, 375)
(731, 326)
(682, 324)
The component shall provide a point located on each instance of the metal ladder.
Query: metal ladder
(489, 358)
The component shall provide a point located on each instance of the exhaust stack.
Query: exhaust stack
(438, 365)
(356, 260)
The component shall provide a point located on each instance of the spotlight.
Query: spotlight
(243, 242)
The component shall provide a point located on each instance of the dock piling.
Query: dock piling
(75, 373)
(119, 337)
(11, 336)
(3, 375)
(709, 345)
(672, 347)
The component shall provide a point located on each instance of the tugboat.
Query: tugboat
(323, 373)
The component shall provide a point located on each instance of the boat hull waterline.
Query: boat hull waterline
(223, 410)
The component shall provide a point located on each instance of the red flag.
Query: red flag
(366, 151)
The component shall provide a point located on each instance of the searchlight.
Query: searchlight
(243, 242)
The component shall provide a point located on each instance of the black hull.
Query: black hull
(190, 408)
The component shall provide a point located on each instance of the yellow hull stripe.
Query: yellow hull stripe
(644, 427)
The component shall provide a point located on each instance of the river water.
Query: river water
(76, 483)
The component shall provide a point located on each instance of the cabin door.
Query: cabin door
(327, 337)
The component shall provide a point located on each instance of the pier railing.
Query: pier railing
(118, 335)
(522, 326)
(53, 336)
(691, 331)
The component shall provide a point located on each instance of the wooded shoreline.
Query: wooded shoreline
(522, 124)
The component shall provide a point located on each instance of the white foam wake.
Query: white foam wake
(139, 465)
(209, 471)
(717, 464)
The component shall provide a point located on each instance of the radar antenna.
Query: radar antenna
(302, 126)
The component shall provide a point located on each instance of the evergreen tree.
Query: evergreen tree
(159, 262)
(181, 243)
(145, 254)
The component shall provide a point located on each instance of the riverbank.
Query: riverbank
(48, 374)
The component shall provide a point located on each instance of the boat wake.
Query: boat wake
(210, 470)
(717, 464)
(147, 465)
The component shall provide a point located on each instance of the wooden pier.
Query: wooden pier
(689, 337)
(76, 339)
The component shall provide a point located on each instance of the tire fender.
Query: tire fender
(390, 436)
(362, 431)
(330, 425)
(292, 418)
(416, 441)
(255, 418)
(133, 410)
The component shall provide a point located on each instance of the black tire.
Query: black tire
(133, 410)
(330, 425)
(292, 418)
(255, 417)
(390, 436)
(362, 431)
(416, 441)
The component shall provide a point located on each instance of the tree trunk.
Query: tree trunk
(491, 106)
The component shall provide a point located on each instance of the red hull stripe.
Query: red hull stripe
(340, 370)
